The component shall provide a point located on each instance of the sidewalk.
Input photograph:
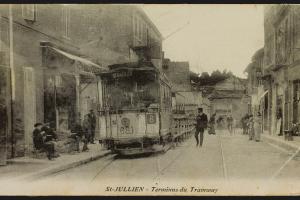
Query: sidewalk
(280, 142)
(25, 168)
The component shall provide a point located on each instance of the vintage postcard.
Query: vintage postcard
(148, 99)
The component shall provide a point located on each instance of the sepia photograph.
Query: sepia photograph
(149, 99)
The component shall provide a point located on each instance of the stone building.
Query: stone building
(55, 50)
(178, 74)
(193, 100)
(281, 73)
(257, 88)
(229, 97)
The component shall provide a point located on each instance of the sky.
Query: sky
(210, 37)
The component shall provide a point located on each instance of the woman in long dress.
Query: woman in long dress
(211, 124)
(250, 128)
(257, 126)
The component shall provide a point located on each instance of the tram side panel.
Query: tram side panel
(165, 111)
(166, 125)
(131, 129)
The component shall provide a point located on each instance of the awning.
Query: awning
(262, 95)
(257, 97)
(81, 63)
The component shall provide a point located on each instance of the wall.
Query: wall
(178, 74)
(27, 53)
(231, 83)
(282, 41)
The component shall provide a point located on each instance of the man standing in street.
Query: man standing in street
(230, 124)
(201, 125)
(92, 121)
(244, 122)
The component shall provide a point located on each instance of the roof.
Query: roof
(132, 66)
(225, 94)
(237, 81)
(258, 54)
(190, 97)
(249, 66)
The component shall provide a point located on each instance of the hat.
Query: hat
(37, 124)
(200, 109)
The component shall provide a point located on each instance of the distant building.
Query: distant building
(229, 97)
(179, 74)
(191, 101)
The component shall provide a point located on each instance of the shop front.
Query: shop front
(5, 110)
(294, 78)
(71, 88)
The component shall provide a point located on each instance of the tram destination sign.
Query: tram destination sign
(122, 74)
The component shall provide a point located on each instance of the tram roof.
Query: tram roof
(131, 66)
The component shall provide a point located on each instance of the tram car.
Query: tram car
(137, 109)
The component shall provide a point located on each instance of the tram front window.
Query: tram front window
(133, 92)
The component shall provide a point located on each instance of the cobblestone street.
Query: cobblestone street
(222, 157)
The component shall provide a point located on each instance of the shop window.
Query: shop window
(29, 12)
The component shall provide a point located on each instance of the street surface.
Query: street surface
(222, 157)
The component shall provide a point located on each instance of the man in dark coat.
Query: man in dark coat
(201, 125)
(39, 141)
(49, 132)
(92, 120)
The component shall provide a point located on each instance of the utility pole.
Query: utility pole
(12, 75)
(11, 53)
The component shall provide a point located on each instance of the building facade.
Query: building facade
(229, 98)
(179, 75)
(55, 50)
(281, 63)
(257, 89)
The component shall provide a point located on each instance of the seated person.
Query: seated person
(49, 132)
(50, 136)
(39, 141)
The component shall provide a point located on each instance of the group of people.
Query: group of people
(45, 138)
(212, 124)
(86, 131)
(252, 126)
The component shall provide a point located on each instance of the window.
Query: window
(29, 12)
(66, 21)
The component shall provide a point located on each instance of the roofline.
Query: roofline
(258, 53)
(141, 11)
